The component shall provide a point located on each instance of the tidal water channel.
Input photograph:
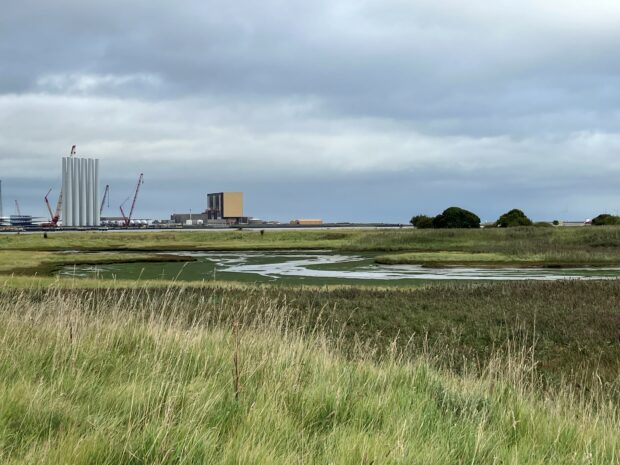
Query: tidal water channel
(319, 267)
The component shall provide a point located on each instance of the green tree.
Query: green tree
(422, 222)
(606, 219)
(455, 217)
(514, 217)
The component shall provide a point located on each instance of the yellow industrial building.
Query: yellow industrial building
(226, 206)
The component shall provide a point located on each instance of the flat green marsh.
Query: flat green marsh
(518, 247)
(160, 371)
(31, 262)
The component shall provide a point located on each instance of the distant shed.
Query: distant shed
(307, 221)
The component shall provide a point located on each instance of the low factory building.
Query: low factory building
(307, 222)
(112, 221)
(222, 208)
(188, 218)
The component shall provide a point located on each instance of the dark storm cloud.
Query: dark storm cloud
(445, 95)
(406, 60)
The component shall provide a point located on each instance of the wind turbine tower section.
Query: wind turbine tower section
(80, 187)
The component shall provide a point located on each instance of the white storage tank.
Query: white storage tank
(80, 187)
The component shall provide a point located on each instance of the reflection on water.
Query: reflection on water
(322, 266)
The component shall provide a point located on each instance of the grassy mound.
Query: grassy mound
(135, 378)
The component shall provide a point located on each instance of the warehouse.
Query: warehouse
(307, 222)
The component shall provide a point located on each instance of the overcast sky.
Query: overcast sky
(351, 110)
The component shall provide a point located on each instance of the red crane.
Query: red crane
(49, 207)
(55, 217)
(127, 219)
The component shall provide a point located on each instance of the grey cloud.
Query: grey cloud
(405, 59)
(461, 97)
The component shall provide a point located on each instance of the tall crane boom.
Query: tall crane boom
(49, 207)
(126, 218)
(106, 196)
(56, 215)
(19, 213)
(135, 197)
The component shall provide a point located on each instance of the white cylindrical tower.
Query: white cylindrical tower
(64, 191)
(80, 187)
(68, 193)
(90, 220)
(96, 192)
(75, 191)
(88, 197)
(83, 200)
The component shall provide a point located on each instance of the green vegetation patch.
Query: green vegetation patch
(44, 263)
(512, 219)
(476, 240)
(439, 258)
(450, 218)
(177, 240)
(606, 219)
(562, 246)
(146, 379)
(571, 326)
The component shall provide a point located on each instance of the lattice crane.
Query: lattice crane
(55, 217)
(127, 219)
(106, 196)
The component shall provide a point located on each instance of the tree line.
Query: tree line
(456, 217)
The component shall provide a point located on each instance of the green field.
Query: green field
(98, 371)
(179, 377)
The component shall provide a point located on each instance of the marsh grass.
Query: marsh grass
(574, 324)
(135, 376)
(601, 241)
(30, 262)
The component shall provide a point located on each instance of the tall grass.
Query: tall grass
(512, 241)
(136, 377)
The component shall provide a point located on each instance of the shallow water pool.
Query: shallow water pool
(320, 267)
